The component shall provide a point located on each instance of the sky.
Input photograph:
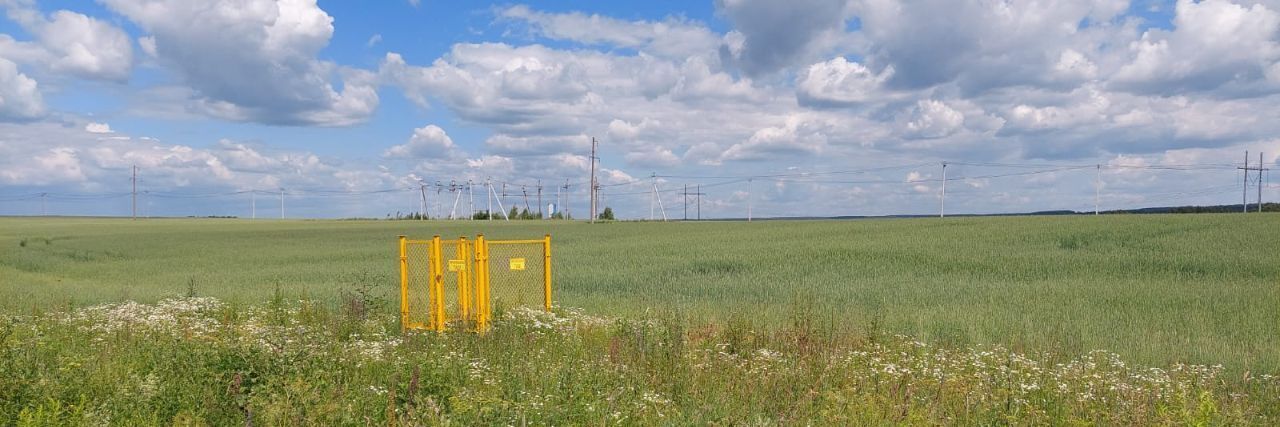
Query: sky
(797, 108)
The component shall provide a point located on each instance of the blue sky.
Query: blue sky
(808, 107)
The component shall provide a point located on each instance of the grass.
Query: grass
(1156, 289)
(1180, 294)
(199, 361)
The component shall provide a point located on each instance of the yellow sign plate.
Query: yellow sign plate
(457, 265)
(517, 263)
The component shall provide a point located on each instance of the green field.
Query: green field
(1157, 290)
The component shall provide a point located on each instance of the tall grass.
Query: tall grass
(202, 361)
(1155, 289)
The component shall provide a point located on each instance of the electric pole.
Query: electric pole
(565, 208)
(592, 190)
(253, 204)
(471, 200)
(659, 199)
(540, 214)
(748, 199)
(1244, 195)
(686, 194)
(488, 195)
(457, 196)
(699, 190)
(500, 207)
(1244, 198)
(1097, 188)
(653, 178)
(281, 203)
(422, 193)
(135, 192)
(1260, 169)
(943, 212)
(525, 193)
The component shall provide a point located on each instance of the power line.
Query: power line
(632, 186)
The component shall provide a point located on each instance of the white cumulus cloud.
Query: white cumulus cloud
(95, 127)
(20, 97)
(255, 60)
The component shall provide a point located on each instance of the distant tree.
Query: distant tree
(524, 214)
(480, 215)
(515, 213)
(607, 214)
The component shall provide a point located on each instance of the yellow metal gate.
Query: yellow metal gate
(459, 282)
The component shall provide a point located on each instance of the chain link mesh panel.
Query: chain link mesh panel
(455, 267)
(459, 282)
(419, 285)
(516, 275)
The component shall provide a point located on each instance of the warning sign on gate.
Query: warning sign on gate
(457, 265)
(517, 263)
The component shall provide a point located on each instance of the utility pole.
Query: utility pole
(525, 192)
(943, 212)
(501, 208)
(135, 192)
(659, 199)
(1260, 169)
(592, 190)
(653, 194)
(1097, 188)
(422, 192)
(457, 196)
(686, 195)
(471, 196)
(599, 199)
(488, 195)
(1244, 198)
(748, 199)
(699, 190)
(253, 204)
(281, 203)
(540, 215)
(566, 200)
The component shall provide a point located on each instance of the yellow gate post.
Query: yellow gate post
(464, 281)
(481, 284)
(437, 284)
(404, 284)
(546, 271)
(487, 288)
